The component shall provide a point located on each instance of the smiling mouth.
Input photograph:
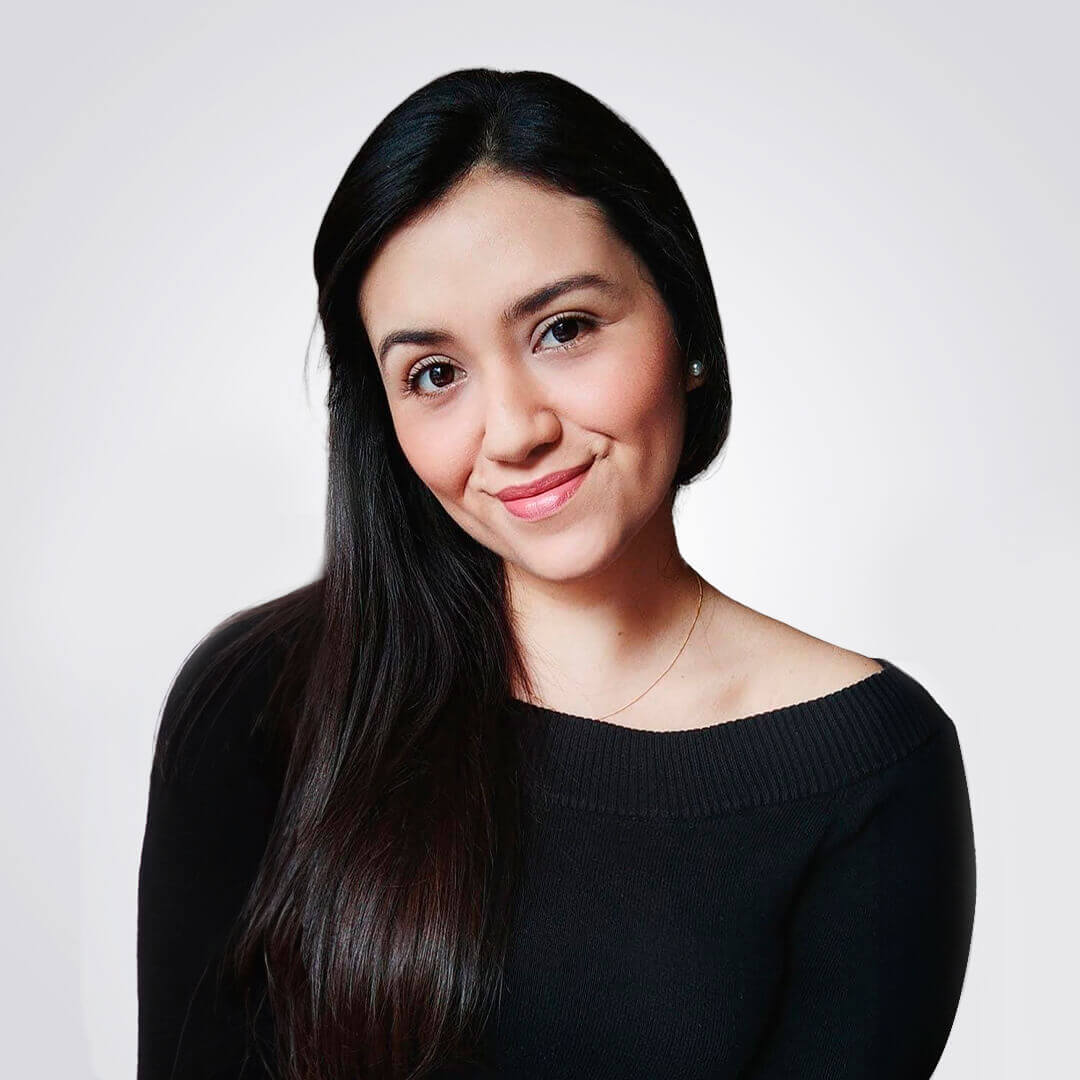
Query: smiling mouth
(545, 483)
(545, 503)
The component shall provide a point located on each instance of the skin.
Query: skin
(601, 597)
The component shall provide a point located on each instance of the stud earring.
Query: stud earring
(696, 367)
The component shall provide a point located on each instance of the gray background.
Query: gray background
(885, 193)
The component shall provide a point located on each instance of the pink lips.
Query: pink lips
(545, 503)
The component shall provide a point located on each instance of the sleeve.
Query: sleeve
(879, 933)
(207, 824)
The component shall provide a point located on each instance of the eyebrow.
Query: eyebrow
(519, 309)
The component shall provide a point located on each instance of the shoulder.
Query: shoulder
(808, 667)
(884, 726)
(766, 664)
(216, 713)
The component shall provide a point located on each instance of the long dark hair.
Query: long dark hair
(380, 913)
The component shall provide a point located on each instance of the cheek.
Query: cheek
(638, 391)
(440, 463)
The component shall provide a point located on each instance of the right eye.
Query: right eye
(441, 367)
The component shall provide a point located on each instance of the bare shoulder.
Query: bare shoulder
(765, 663)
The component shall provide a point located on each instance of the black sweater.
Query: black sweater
(786, 895)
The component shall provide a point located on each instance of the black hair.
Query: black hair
(380, 914)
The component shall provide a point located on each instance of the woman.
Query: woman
(510, 789)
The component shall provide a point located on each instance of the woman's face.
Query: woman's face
(499, 370)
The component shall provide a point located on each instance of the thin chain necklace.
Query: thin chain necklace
(701, 592)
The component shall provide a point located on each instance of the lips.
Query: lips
(549, 501)
(545, 483)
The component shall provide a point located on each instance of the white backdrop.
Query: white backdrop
(886, 194)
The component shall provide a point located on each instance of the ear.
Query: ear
(692, 382)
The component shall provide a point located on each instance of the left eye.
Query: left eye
(567, 329)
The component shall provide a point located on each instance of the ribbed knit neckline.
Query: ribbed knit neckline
(785, 753)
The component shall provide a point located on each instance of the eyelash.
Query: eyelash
(587, 321)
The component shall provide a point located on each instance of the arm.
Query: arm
(879, 934)
(206, 828)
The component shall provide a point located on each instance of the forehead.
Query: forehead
(491, 239)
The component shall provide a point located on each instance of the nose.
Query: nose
(518, 413)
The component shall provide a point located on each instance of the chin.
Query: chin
(566, 557)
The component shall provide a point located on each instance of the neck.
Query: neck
(595, 640)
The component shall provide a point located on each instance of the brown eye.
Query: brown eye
(442, 377)
(567, 329)
(446, 377)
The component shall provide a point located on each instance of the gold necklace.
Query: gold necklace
(701, 592)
